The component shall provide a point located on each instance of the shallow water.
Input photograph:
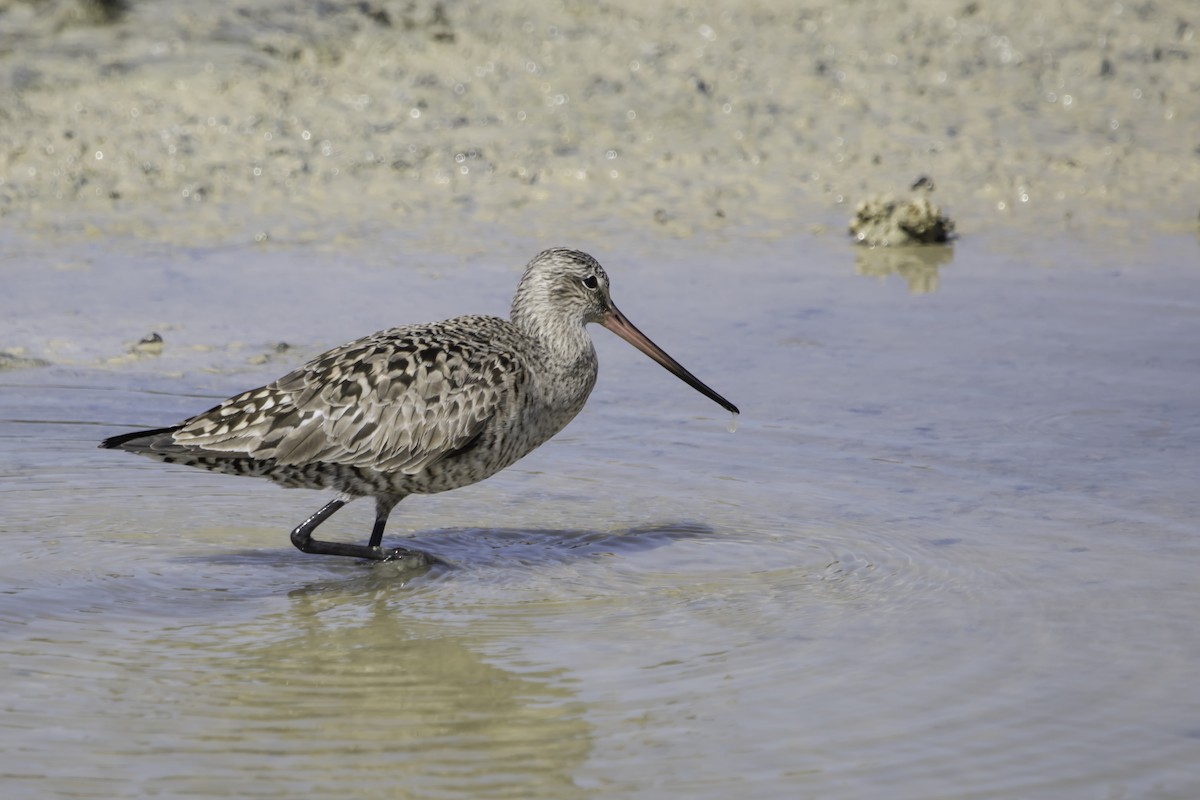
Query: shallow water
(949, 552)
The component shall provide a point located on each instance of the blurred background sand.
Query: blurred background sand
(238, 121)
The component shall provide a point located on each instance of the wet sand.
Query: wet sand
(949, 551)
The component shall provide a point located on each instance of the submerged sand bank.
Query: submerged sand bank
(296, 121)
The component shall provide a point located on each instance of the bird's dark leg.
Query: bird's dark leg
(383, 507)
(302, 537)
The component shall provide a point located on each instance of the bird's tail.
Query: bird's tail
(140, 441)
(160, 445)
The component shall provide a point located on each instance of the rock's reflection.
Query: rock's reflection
(917, 264)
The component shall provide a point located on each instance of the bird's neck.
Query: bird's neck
(564, 342)
(563, 338)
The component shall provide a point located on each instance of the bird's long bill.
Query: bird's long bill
(616, 322)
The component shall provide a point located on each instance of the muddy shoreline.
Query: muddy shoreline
(286, 122)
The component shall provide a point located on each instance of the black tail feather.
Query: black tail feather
(113, 442)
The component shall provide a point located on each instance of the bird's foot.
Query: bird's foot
(402, 555)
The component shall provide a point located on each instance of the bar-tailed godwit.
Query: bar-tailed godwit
(417, 409)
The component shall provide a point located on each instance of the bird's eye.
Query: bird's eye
(591, 282)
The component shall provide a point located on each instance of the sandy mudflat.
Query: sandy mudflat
(949, 552)
(301, 121)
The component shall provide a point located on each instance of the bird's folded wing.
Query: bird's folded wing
(396, 401)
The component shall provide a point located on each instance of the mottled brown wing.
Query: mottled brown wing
(395, 401)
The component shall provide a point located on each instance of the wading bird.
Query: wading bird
(417, 409)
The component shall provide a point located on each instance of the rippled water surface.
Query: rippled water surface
(950, 551)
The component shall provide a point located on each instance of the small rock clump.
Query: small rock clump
(883, 220)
